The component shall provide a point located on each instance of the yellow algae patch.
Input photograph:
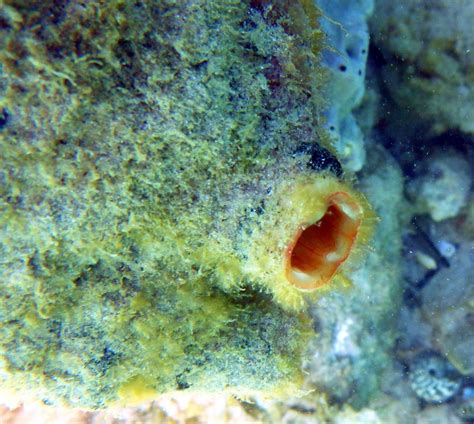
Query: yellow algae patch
(135, 391)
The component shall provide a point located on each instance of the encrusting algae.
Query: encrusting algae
(154, 206)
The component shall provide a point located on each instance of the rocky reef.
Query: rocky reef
(420, 72)
(229, 211)
(429, 60)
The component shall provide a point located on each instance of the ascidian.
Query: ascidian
(160, 228)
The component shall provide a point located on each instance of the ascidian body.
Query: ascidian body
(160, 227)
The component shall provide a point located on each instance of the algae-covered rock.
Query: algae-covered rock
(442, 184)
(151, 185)
(429, 65)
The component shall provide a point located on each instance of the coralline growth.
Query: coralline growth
(433, 378)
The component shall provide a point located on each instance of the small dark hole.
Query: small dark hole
(3, 118)
(4, 24)
(343, 68)
(351, 53)
(200, 65)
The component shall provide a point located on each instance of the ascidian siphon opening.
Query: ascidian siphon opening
(319, 248)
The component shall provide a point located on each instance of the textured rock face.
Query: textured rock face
(347, 361)
(151, 183)
(448, 300)
(428, 45)
(442, 184)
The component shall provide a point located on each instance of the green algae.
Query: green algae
(142, 139)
